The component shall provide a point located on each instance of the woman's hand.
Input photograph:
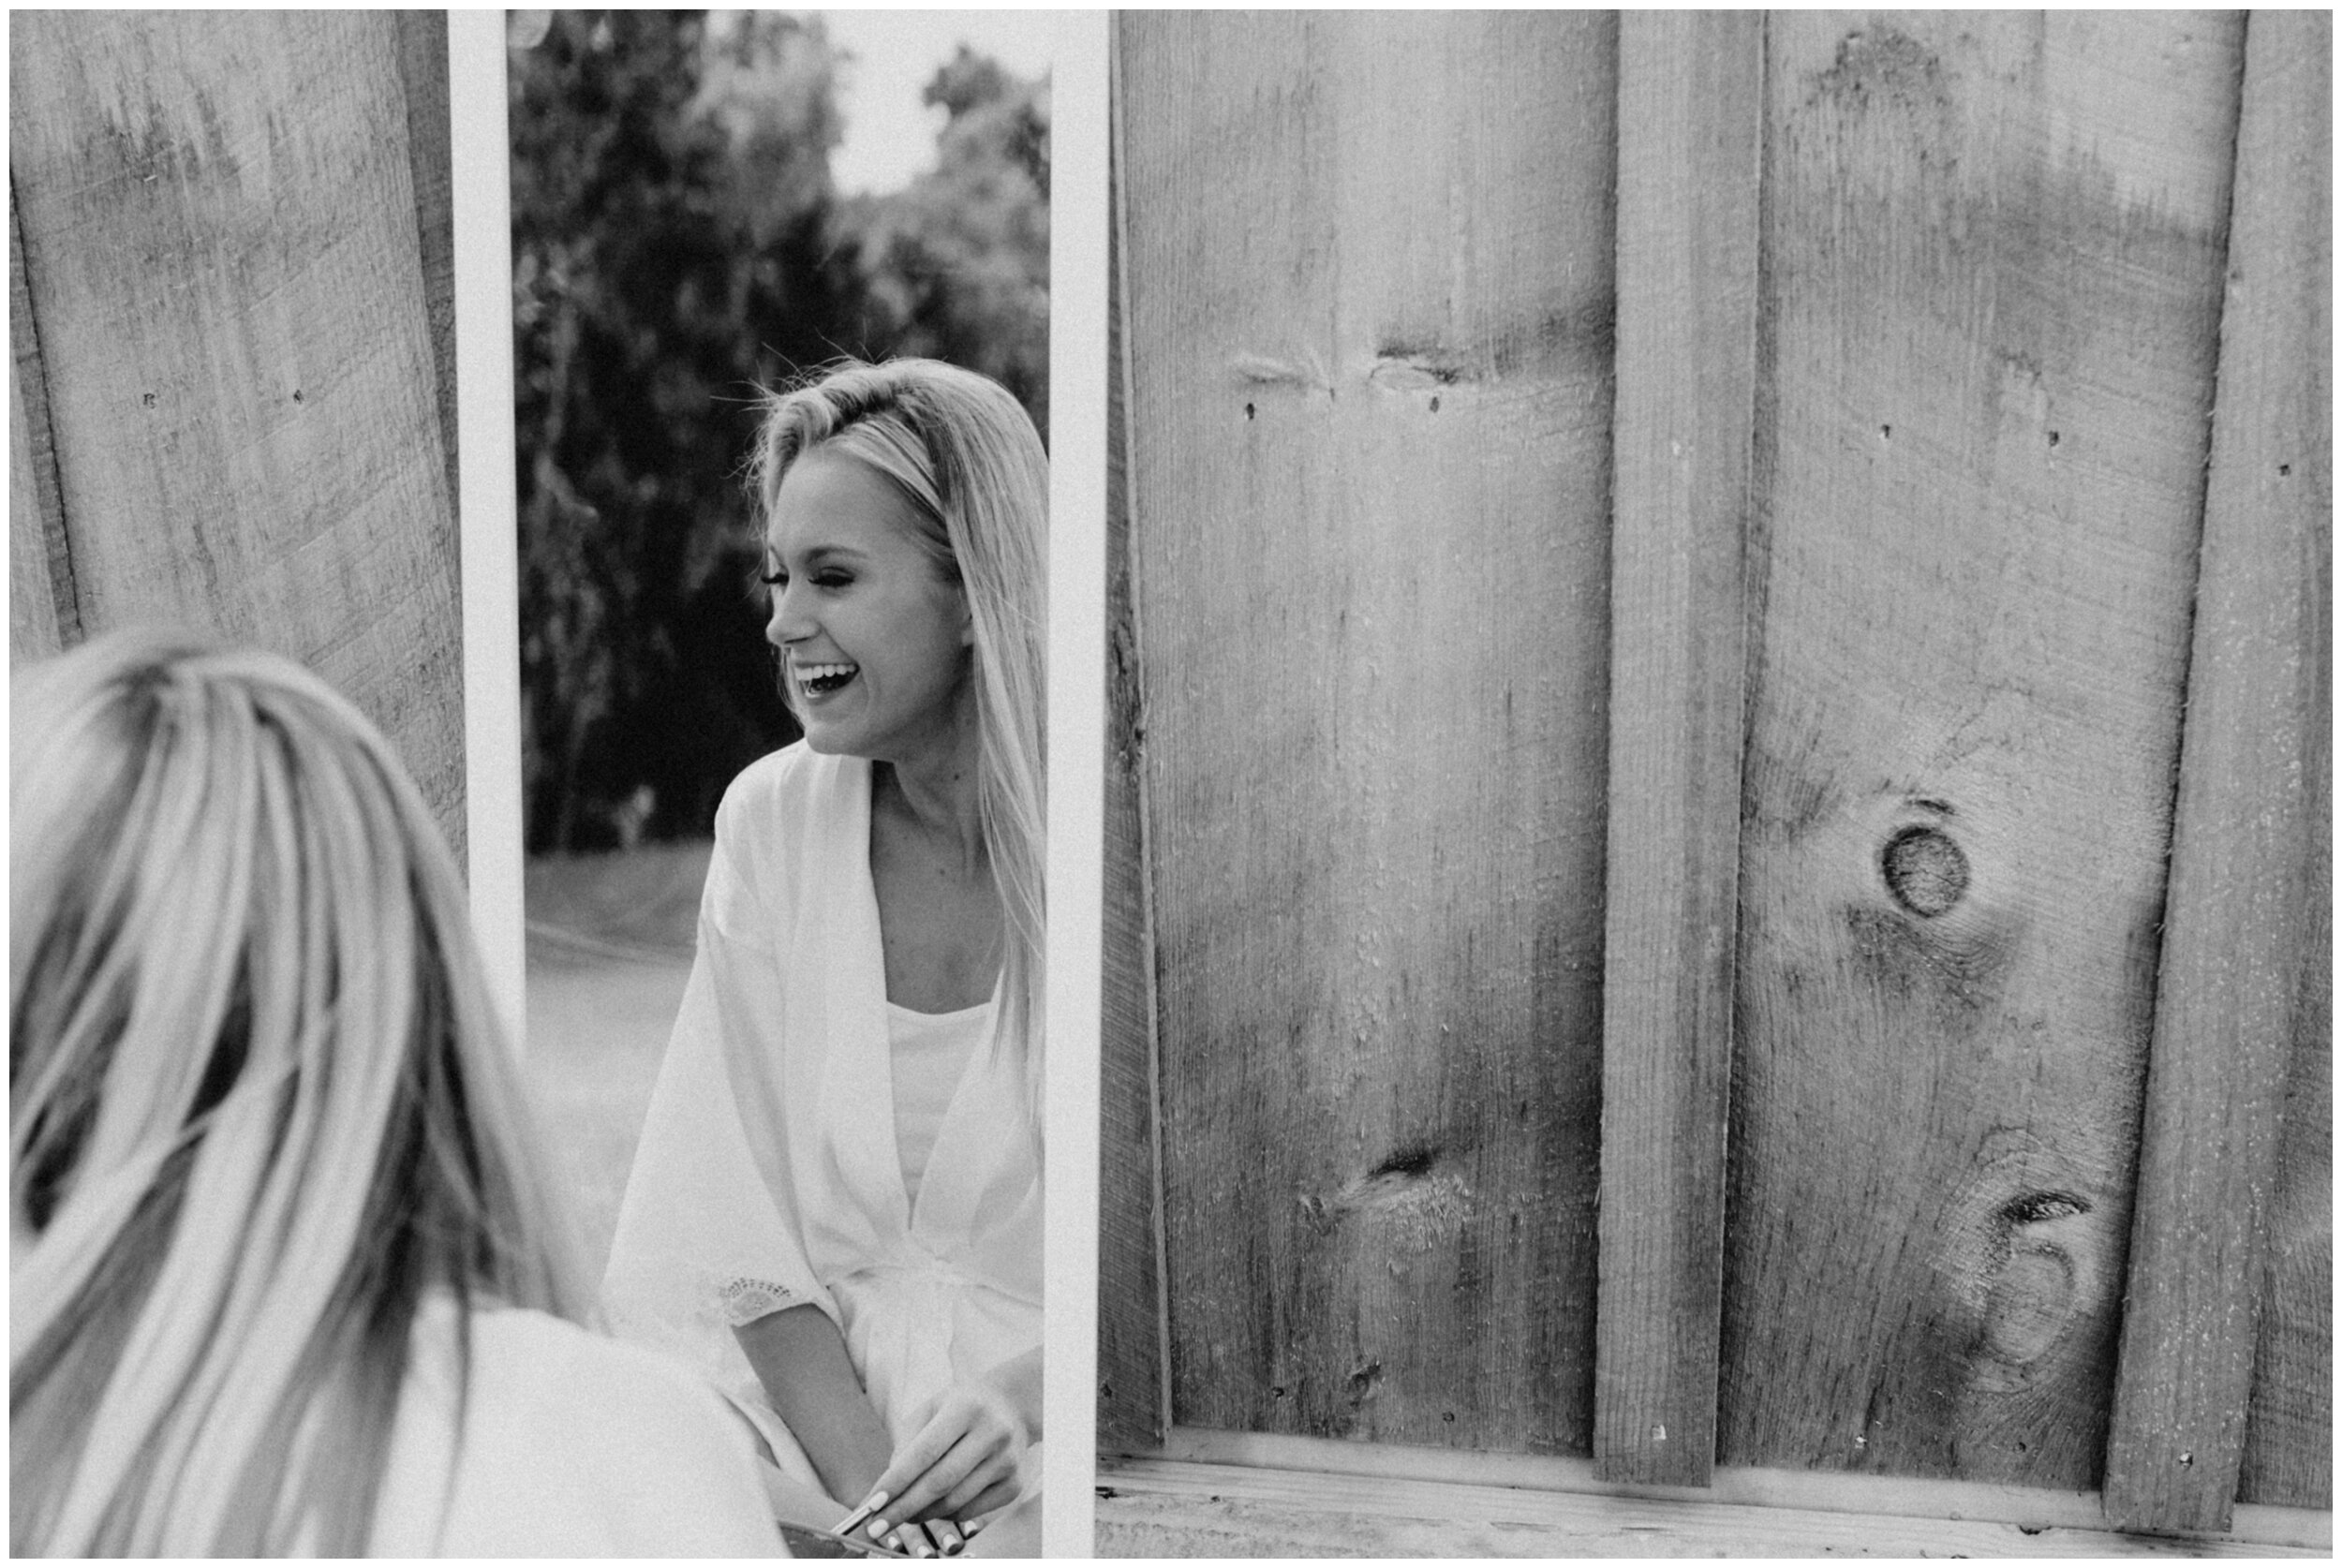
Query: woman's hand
(960, 1464)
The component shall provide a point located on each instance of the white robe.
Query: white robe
(768, 1173)
(559, 1444)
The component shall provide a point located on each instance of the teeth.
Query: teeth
(821, 676)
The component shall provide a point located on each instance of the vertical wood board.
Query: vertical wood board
(1369, 324)
(2288, 1434)
(1993, 262)
(421, 38)
(1131, 1351)
(1690, 109)
(219, 245)
(44, 614)
(2240, 995)
(32, 621)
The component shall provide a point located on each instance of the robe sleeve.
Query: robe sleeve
(704, 1241)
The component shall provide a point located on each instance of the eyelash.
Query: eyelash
(827, 579)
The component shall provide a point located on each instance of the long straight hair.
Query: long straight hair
(964, 454)
(259, 1105)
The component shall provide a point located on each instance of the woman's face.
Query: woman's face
(874, 644)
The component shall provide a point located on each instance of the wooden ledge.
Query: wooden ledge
(1220, 1494)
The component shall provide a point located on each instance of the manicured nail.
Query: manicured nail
(845, 1526)
(879, 1529)
(947, 1537)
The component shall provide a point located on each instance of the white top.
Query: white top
(573, 1445)
(929, 1051)
(766, 1178)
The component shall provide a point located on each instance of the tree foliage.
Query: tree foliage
(677, 245)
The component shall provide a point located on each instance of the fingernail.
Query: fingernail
(852, 1522)
(879, 1529)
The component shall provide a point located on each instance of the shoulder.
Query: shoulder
(627, 1382)
(783, 790)
(576, 1444)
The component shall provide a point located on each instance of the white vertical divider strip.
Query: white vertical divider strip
(481, 146)
(1078, 702)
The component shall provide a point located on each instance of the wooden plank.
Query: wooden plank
(1134, 1393)
(220, 247)
(1993, 262)
(44, 615)
(1163, 1508)
(430, 166)
(33, 631)
(2288, 1434)
(1690, 109)
(1370, 310)
(2247, 916)
(1822, 1491)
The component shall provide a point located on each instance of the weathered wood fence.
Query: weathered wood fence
(230, 303)
(1720, 779)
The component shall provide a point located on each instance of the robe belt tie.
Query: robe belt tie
(938, 1271)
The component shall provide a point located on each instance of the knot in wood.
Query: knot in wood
(1924, 870)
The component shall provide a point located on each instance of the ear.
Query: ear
(967, 620)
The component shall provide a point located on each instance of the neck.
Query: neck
(933, 789)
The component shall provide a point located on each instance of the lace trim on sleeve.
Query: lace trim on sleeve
(746, 1300)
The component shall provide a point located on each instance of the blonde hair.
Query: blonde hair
(259, 1103)
(963, 452)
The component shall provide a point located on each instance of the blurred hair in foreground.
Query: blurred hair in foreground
(259, 1105)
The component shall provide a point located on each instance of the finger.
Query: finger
(914, 1458)
(988, 1488)
(947, 1537)
(852, 1522)
(917, 1500)
(917, 1542)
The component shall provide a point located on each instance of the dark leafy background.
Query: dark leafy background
(676, 244)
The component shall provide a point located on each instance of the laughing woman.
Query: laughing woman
(836, 1206)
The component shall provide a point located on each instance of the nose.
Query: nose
(787, 620)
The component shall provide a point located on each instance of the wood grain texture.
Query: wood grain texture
(1990, 318)
(431, 169)
(1690, 113)
(2032, 1508)
(33, 631)
(44, 614)
(1370, 313)
(1164, 1508)
(2288, 1434)
(220, 247)
(2243, 993)
(1132, 1377)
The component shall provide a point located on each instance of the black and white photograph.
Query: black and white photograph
(885, 783)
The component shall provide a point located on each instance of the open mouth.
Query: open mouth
(819, 680)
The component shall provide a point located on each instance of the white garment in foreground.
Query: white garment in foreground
(573, 1445)
(768, 1173)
